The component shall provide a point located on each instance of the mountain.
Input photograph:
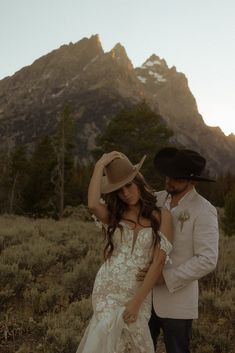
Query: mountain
(179, 108)
(97, 85)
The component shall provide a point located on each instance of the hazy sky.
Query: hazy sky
(197, 36)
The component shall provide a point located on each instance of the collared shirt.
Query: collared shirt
(168, 201)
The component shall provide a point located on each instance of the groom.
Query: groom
(195, 247)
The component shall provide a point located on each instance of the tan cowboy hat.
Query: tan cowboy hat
(118, 173)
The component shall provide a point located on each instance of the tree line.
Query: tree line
(43, 180)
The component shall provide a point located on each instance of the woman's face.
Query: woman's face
(129, 194)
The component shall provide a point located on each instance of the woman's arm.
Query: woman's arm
(94, 189)
(154, 271)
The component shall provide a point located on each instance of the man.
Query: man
(195, 247)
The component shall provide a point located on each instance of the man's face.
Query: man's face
(177, 186)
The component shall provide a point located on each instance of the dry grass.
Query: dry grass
(47, 269)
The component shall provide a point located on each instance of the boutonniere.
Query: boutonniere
(183, 216)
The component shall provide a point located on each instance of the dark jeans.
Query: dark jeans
(176, 332)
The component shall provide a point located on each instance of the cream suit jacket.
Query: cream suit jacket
(194, 254)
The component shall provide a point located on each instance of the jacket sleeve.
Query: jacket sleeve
(205, 249)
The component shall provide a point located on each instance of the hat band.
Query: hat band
(116, 179)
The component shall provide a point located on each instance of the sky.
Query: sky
(196, 36)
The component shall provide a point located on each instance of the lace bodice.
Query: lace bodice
(144, 241)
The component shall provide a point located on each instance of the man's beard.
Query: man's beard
(174, 192)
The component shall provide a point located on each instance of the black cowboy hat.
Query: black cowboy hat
(181, 164)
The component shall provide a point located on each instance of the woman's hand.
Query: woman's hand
(108, 157)
(142, 273)
(94, 189)
(130, 314)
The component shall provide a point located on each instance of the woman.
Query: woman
(138, 235)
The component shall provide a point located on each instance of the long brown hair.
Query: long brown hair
(116, 208)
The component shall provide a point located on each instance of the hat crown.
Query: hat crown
(119, 169)
(189, 162)
(181, 164)
(118, 173)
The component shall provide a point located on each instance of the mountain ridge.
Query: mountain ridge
(97, 85)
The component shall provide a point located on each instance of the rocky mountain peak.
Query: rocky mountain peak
(231, 137)
(62, 63)
(93, 43)
(118, 53)
(170, 89)
(95, 39)
(153, 72)
(154, 61)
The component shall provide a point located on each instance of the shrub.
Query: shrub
(65, 330)
(36, 255)
(45, 300)
(13, 280)
(80, 281)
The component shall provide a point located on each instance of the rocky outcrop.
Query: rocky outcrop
(179, 108)
(97, 85)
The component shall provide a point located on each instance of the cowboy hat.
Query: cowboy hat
(181, 164)
(118, 173)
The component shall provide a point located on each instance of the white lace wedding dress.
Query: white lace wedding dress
(114, 285)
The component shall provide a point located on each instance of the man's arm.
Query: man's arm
(205, 244)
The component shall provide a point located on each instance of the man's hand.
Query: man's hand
(142, 273)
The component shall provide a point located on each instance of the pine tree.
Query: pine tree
(136, 132)
(64, 145)
(5, 165)
(15, 178)
(39, 191)
(214, 192)
(229, 213)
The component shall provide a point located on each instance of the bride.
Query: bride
(138, 234)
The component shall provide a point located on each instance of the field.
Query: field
(47, 269)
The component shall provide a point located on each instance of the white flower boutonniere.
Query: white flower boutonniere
(183, 216)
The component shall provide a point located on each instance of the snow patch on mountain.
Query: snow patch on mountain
(142, 79)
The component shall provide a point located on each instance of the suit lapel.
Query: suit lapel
(184, 205)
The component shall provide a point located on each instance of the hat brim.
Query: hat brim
(165, 162)
(167, 171)
(107, 187)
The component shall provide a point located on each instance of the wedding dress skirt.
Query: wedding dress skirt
(114, 286)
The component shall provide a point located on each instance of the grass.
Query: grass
(47, 271)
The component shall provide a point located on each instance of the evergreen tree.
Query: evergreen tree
(229, 213)
(228, 182)
(4, 166)
(83, 175)
(214, 192)
(14, 179)
(136, 132)
(64, 145)
(39, 191)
